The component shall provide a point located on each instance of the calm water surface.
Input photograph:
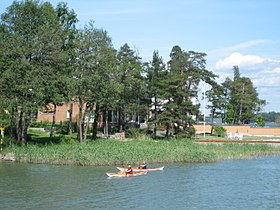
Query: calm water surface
(237, 184)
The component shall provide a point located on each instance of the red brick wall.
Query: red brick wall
(61, 113)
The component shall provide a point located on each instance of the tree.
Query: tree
(270, 116)
(103, 96)
(32, 48)
(94, 70)
(68, 19)
(81, 75)
(52, 75)
(243, 97)
(217, 101)
(155, 73)
(179, 89)
(132, 81)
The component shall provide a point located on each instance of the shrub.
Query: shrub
(133, 133)
(219, 131)
(186, 134)
(41, 124)
(62, 127)
(64, 139)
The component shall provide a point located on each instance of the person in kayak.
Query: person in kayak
(129, 170)
(143, 165)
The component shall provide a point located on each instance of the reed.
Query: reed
(116, 152)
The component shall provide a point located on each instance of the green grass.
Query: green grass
(116, 152)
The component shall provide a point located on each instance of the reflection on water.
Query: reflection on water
(238, 184)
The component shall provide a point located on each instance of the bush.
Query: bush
(62, 127)
(41, 124)
(64, 139)
(186, 134)
(219, 131)
(133, 133)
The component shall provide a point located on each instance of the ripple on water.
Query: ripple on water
(235, 184)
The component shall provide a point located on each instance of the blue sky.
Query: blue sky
(230, 32)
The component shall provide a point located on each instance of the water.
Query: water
(237, 184)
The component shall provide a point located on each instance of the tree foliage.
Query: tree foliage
(243, 100)
(46, 62)
(31, 59)
(132, 84)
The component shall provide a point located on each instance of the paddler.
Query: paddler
(129, 170)
(143, 165)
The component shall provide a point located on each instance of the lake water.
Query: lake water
(237, 184)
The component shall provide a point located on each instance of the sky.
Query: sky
(230, 32)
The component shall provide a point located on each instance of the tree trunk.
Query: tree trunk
(212, 119)
(80, 120)
(12, 124)
(95, 122)
(120, 121)
(241, 105)
(19, 125)
(105, 127)
(26, 123)
(88, 121)
(167, 131)
(155, 119)
(70, 129)
(53, 122)
(233, 119)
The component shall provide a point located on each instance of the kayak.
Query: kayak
(123, 174)
(140, 169)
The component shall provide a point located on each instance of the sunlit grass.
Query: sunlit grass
(117, 152)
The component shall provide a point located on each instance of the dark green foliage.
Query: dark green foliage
(219, 131)
(34, 61)
(62, 128)
(155, 73)
(186, 134)
(131, 101)
(259, 120)
(178, 90)
(243, 101)
(217, 101)
(41, 124)
(133, 133)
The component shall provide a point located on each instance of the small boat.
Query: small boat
(141, 169)
(123, 174)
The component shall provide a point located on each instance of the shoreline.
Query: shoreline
(7, 157)
(121, 153)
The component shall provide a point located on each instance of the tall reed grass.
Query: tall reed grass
(116, 152)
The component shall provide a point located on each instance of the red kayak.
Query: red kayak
(140, 169)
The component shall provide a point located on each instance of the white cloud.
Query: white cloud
(275, 70)
(263, 72)
(240, 60)
(267, 80)
(268, 77)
